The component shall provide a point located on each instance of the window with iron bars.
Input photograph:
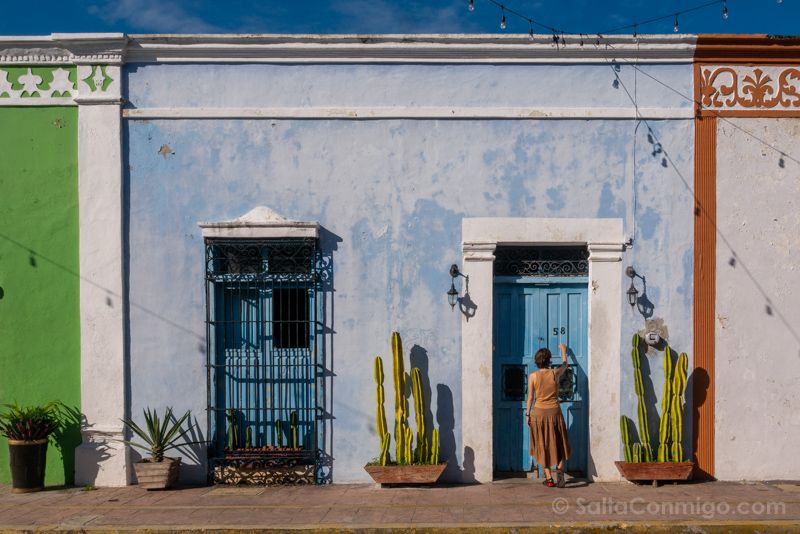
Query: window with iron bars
(261, 317)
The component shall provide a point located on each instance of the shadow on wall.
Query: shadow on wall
(697, 383)
(328, 243)
(67, 438)
(468, 473)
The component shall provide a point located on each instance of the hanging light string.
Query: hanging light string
(633, 26)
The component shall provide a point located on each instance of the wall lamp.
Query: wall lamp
(632, 292)
(452, 293)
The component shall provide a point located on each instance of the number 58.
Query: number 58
(555, 331)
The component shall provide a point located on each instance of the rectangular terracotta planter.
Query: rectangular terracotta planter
(158, 475)
(655, 471)
(405, 474)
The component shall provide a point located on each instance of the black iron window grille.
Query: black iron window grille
(541, 261)
(263, 367)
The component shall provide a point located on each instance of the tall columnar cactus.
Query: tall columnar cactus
(637, 453)
(666, 403)
(248, 437)
(294, 430)
(434, 447)
(676, 410)
(385, 441)
(407, 442)
(380, 413)
(279, 433)
(626, 438)
(644, 429)
(233, 434)
(421, 452)
(400, 405)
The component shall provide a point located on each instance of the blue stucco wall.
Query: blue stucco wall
(390, 195)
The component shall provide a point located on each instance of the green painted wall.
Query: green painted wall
(39, 285)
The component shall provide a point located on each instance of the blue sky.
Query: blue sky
(387, 16)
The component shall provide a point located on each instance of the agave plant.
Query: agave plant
(30, 423)
(160, 433)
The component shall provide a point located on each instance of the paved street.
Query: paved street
(517, 505)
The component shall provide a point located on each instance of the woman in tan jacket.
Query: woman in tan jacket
(549, 439)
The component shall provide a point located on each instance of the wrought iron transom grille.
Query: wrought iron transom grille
(541, 261)
(263, 368)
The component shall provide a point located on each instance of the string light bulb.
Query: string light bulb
(503, 19)
(675, 28)
(530, 31)
(471, 5)
(725, 9)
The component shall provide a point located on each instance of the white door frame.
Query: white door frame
(605, 241)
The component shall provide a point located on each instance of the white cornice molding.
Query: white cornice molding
(116, 48)
(408, 112)
(456, 48)
(260, 223)
(64, 48)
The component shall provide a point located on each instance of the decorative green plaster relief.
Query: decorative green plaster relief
(38, 82)
(98, 79)
(39, 284)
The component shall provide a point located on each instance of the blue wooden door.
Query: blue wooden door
(529, 315)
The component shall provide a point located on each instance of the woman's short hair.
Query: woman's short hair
(542, 358)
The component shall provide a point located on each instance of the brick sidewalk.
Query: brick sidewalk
(521, 505)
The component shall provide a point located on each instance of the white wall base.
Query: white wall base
(604, 239)
(102, 460)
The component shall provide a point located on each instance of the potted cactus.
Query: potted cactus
(28, 429)
(159, 435)
(667, 464)
(413, 464)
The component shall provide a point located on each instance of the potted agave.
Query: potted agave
(417, 465)
(28, 429)
(640, 464)
(159, 435)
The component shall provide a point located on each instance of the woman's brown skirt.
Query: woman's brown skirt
(549, 438)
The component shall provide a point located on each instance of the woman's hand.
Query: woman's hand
(563, 348)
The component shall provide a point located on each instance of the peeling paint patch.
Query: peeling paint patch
(165, 151)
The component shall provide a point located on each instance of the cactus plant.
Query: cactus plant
(670, 428)
(380, 417)
(405, 453)
(434, 447)
(644, 429)
(294, 430)
(626, 438)
(248, 438)
(279, 433)
(400, 406)
(385, 441)
(421, 451)
(676, 410)
(409, 439)
(666, 403)
(233, 435)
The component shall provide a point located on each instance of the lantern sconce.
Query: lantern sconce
(632, 292)
(452, 293)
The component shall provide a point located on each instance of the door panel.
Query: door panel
(528, 316)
